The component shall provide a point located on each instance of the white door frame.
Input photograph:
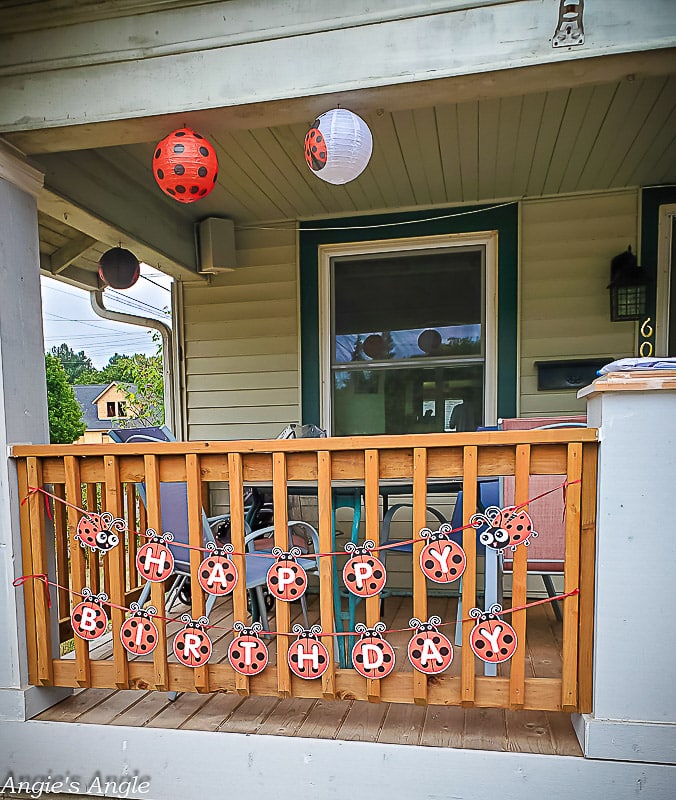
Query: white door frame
(664, 249)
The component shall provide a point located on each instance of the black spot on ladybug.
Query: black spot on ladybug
(519, 527)
(350, 577)
(359, 658)
(204, 649)
(436, 639)
(507, 638)
(203, 192)
(378, 574)
(504, 651)
(274, 580)
(416, 653)
(260, 656)
(180, 189)
(241, 665)
(203, 151)
(179, 169)
(179, 645)
(205, 574)
(179, 148)
(160, 174)
(179, 133)
(202, 171)
(321, 659)
(236, 654)
(171, 191)
(215, 176)
(429, 564)
(293, 590)
(150, 638)
(77, 617)
(516, 536)
(438, 574)
(456, 558)
(480, 644)
(197, 135)
(158, 152)
(299, 581)
(452, 570)
(489, 654)
(387, 658)
(194, 189)
(444, 651)
(294, 657)
(128, 634)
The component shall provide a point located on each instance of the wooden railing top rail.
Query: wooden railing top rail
(338, 443)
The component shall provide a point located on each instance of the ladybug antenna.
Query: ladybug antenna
(295, 552)
(86, 592)
(238, 626)
(425, 533)
(256, 628)
(101, 598)
(369, 544)
(298, 629)
(134, 607)
(277, 552)
(379, 627)
(477, 520)
(475, 613)
(496, 608)
(202, 621)
(151, 611)
(361, 628)
(445, 528)
(316, 629)
(414, 622)
(435, 619)
(186, 618)
(350, 547)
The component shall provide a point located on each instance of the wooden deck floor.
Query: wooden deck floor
(434, 726)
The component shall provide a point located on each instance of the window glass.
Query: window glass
(408, 342)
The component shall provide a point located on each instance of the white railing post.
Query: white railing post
(23, 413)
(634, 707)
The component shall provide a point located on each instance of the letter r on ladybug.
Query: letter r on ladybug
(191, 643)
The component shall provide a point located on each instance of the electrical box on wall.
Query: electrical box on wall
(216, 245)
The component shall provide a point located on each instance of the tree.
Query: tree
(144, 386)
(117, 369)
(65, 414)
(74, 364)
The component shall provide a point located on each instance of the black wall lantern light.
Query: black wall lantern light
(628, 288)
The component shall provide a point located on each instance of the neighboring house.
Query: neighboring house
(519, 147)
(104, 406)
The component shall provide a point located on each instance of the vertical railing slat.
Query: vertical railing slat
(132, 527)
(93, 555)
(282, 610)
(38, 534)
(469, 501)
(571, 579)
(324, 507)
(29, 586)
(419, 580)
(587, 572)
(115, 559)
(154, 515)
(196, 540)
(61, 540)
(372, 531)
(71, 467)
(517, 668)
(239, 609)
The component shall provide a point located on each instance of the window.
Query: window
(409, 348)
(110, 409)
(121, 409)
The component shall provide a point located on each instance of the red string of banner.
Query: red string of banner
(391, 545)
(47, 583)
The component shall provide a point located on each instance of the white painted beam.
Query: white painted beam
(63, 257)
(234, 53)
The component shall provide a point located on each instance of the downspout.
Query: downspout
(167, 348)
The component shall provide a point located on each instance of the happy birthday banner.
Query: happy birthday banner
(442, 560)
(492, 639)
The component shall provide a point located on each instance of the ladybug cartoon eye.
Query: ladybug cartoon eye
(501, 535)
(487, 538)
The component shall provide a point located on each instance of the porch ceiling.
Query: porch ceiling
(566, 134)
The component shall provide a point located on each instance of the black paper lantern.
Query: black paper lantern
(119, 268)
(628, 288)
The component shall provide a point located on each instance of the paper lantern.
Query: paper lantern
(185, 165)
(338, 146)
(119, 268)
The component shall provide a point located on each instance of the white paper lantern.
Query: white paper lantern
(338, 146)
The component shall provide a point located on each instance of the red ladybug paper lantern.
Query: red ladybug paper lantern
(308, 657)
(287, 580)
(363, 574)
(492, 639)
(441, 559)
(88, 618)
(97, 531)
(154, 560)
(192, 645)
(506, 527)
(429, 651)
(217, 574)
(185, 165)
(247, 654)
(138, 632)
(119, 268)
(372, 656)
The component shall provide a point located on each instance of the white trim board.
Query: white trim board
(192, 765)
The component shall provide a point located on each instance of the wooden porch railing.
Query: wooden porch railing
(104, 477)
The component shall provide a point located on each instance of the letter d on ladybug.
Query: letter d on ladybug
(373, 656)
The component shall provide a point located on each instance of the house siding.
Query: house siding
(240, 336)
(567, 244)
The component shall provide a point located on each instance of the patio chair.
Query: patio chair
(546, 554)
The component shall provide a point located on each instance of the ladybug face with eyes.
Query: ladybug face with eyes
(99, 531)
(506, 527)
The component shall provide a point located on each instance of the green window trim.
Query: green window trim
(474, 219)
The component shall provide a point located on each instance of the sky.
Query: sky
(68, 316)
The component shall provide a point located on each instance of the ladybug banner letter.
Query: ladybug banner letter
(88, 618)
(247, 654)
(429, 651)
(217, 574)
(441, 559)
(492, 639)
(138, 632)
(99, 531)
(308, 657)
(154, 560)
(506, 527)
(372, 656)
(287, 580)
(364, 574)
(192, 645)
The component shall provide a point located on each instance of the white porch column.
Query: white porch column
(23, 411)
(634, 716)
